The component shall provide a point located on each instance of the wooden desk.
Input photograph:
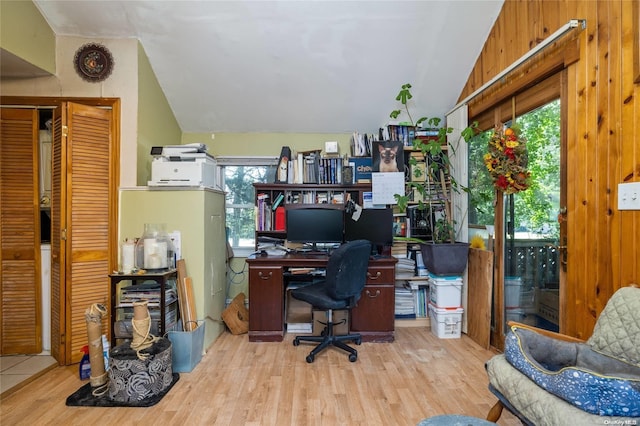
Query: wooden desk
(372, 317)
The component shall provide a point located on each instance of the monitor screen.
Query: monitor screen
(315, 225)
(375, 225)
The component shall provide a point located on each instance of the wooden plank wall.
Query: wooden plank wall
(603, 140)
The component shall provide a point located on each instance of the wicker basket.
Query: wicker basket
(236, 315)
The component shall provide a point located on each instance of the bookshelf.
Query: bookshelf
(272, 199)
(437, 190)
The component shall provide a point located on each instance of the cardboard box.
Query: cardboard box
(297, 315)
(320, 319)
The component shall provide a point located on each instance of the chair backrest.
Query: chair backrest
(347, 270)
(617, 331)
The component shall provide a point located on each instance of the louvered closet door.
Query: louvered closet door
(82, 199)
(20, 319)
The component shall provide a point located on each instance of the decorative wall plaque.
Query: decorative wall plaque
(93, 62)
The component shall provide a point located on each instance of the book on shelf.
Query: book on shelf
(363, 168)
(361, 144)
(401, 132)
(311, 167)
(263, 213)
(331, 170)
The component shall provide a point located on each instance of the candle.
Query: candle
(127, 257)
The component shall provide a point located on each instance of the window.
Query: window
(237, 176)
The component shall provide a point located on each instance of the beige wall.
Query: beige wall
(26, 34)
(146, 118)
(156, 123)
(265, 144)
(66, 83)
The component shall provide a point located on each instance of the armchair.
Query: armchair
(345, 279)
(546, 378)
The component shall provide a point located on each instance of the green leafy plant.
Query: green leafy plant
(437, 165)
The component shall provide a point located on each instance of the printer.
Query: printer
(182, 165)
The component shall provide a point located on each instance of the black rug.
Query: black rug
(84, 397)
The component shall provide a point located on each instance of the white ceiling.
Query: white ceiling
(293, 66)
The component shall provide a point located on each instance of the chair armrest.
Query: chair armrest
(547, 333)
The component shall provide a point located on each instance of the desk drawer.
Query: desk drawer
(374, 312)
(381, 274)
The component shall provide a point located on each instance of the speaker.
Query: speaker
(420, 223)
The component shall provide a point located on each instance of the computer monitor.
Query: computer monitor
(313, 225)
(375, 225)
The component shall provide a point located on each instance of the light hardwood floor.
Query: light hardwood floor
(243, 383)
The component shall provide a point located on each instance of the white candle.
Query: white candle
(128, 249)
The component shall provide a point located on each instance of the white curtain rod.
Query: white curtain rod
(553, 37)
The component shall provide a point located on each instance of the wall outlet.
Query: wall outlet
(629, 196)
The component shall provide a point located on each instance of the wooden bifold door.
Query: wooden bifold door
(83, 232)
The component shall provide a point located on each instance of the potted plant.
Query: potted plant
(443, 255)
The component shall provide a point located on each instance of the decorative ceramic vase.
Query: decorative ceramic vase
(154, 250)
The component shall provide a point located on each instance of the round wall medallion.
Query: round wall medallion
(93, 62)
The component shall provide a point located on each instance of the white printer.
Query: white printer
(182, 165)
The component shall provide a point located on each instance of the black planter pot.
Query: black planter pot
(445, 258)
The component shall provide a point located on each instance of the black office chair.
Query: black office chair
(341, 289)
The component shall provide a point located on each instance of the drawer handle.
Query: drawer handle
(372, 277)
(372, 296)
(265, 277)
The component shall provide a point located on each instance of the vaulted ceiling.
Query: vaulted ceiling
(293, 66)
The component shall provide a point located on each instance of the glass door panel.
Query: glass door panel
(532, 232)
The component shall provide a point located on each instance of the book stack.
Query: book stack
(330, 170)
(263, 213)
(149, 292)
(420, 291)
(403, 133)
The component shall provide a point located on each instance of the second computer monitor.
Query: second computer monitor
(375, 225)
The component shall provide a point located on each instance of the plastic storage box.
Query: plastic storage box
(186, 348)
(445, 292)
(446, 323)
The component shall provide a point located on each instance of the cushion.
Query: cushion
(590, 380)
(617, 331)
(538, 406)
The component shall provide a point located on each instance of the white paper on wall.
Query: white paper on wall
(385, 185)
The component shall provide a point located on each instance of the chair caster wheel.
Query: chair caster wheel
(353, 357)
(296, 342)
(358, 341)
(310, 358)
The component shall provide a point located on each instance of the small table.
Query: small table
(454, 420)
(160, 277)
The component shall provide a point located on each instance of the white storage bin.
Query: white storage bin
(445, 323)
(445, 292)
